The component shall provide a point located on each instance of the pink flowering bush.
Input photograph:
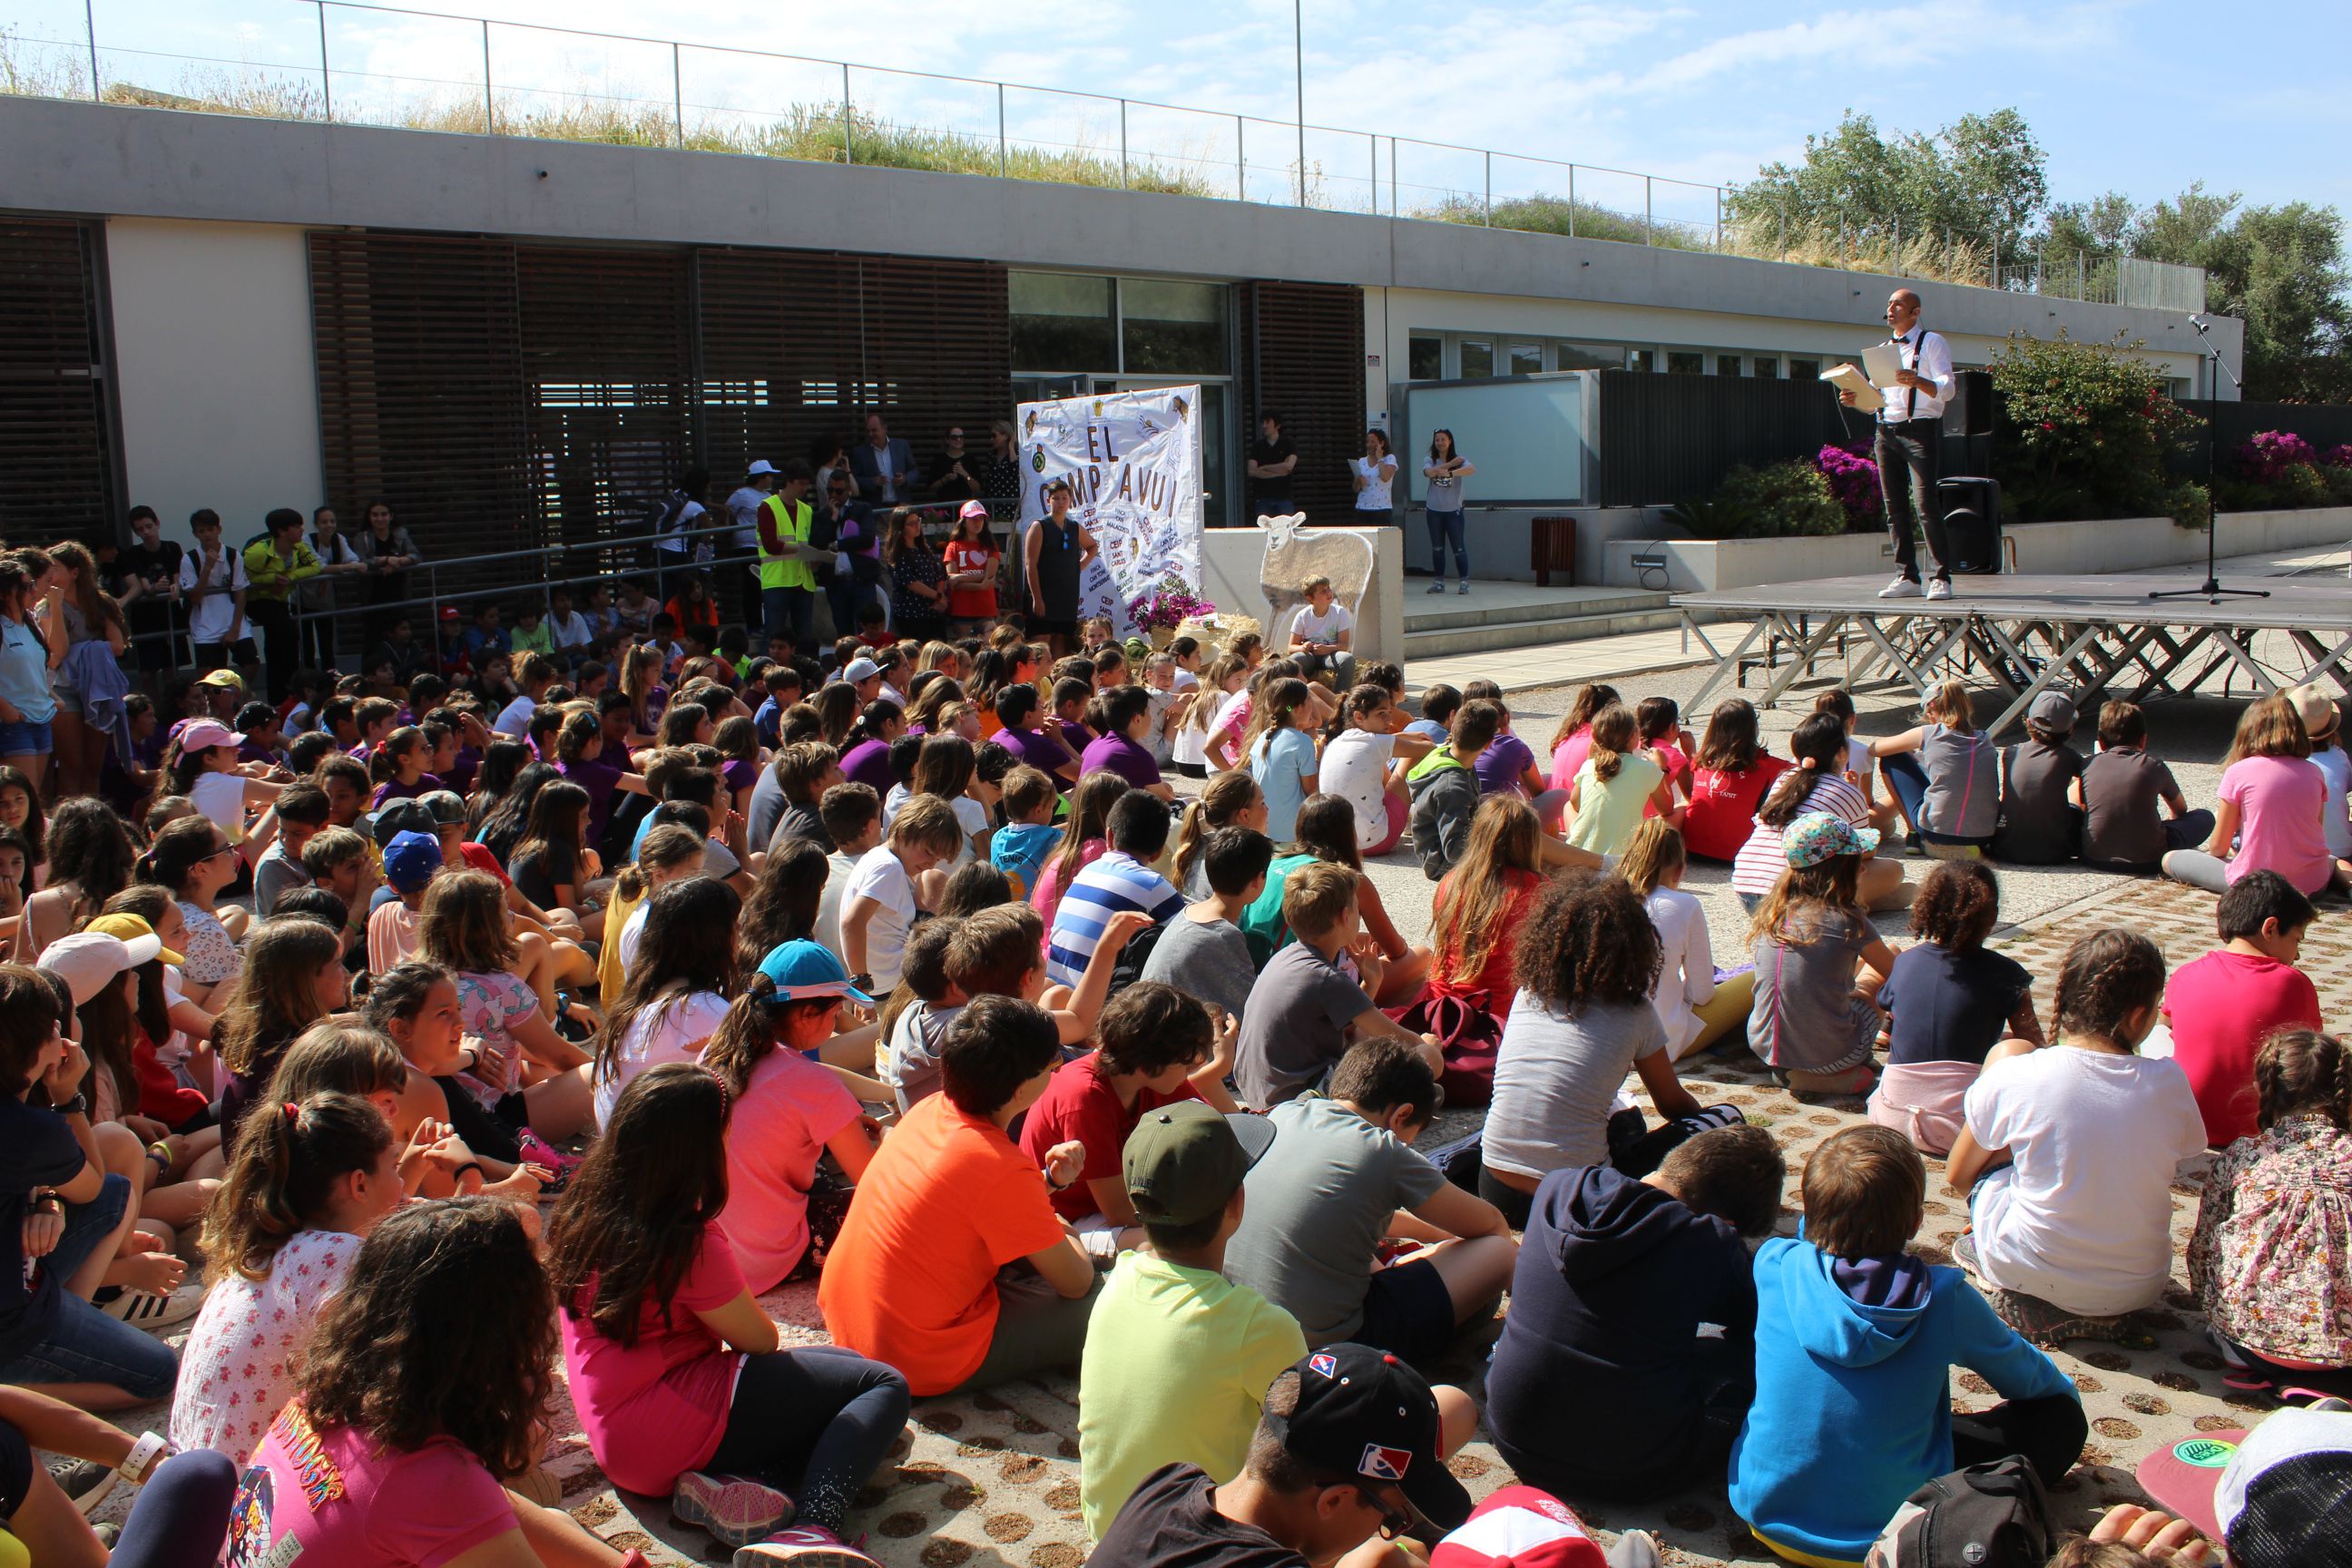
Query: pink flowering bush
(1854, 479)
(2338, 457)
(2271, 453)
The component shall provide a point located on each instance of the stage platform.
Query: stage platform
(2024, 635)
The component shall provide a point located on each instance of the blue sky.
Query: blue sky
(2139, 95)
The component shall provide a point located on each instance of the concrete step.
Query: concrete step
(1436, 642)
(1507, 604)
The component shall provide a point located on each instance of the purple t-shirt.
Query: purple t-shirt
(392, 789)
(1503, 765)
(1040, 752)
(1118, 754)
(868, 762)
(1076, 736)
(739, 773)
(600, 779)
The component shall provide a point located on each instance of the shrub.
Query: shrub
(1783, 500)
(2086, 430)
(1854, 479)
(2337, 457)
(2191, 505)
(2271, 454)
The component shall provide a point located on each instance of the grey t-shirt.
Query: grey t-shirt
(1319, 1202)
(274, 875)
(1963, 783)
(2037, 824)
(1205, 959)
(1806, 1014)
(1555, 1078)
(767, 805)
(1295, 1029)
(911, 1069)
(2123, 796)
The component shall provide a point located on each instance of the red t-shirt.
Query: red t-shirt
(971, 604)
(656, 1409)
(1723, 807)
(1080, 1103)
(161, 1094)
(2221, 1007)
(1494, 978)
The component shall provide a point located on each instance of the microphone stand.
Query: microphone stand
(2211, 590)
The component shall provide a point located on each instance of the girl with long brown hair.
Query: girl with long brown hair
(1228, 800)
(293, 976)
(1085, 838)
(677, 989)
(463, 928)
(87, 618)
(1729, 773)
(1480, 904)
(90, 860)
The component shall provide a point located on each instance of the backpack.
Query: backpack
(1471, 1038)
(1987, 1516)
(1128, 967)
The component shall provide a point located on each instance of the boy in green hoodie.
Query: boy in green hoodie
(1855, 1340)
(1445, 791)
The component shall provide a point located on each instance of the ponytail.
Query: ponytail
(286, 1160)
(1819, 746)
(1220, 805)
(1613, 733)
(747, 1034)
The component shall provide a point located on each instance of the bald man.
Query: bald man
(1910, 447)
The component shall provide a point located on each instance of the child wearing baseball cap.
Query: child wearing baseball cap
(1818, 961)
(1178, 1357)
(1351, 1447)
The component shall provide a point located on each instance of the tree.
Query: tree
(1979, 179)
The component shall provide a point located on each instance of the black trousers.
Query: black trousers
(1910, 459)
(2047, 1434)
(280, 657)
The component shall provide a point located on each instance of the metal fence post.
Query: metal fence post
(89, 22)
(1647, 204)
(1004, 143)
(2082, 279)
(326, 77)
(848, 135)
(1376, 177)
(1241, 162)
(1571, 201)
(1122, 143)
(677, 92)
(489, 104)
(1490, 188)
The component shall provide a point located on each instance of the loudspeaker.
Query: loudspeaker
(1969, 412)
(1971, 509)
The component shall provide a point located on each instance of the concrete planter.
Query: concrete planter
(2111, 544)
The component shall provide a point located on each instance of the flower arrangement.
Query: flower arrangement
(2268, 457)
(1854, 479)
(1167, 607)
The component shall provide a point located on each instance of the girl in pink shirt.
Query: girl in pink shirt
(2271, 800)
(676, 1371)
(1571, 742)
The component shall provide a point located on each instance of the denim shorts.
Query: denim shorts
(83, 1344)
(26, 737)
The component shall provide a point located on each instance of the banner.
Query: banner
(1134, 459)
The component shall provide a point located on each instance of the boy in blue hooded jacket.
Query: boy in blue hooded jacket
(1855, 1341)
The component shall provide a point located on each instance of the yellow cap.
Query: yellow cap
(129, 928)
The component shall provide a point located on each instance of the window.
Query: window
(1174, 327)
(1726, 364)
(1061, 322)
(1526, 359)
(1767, 367)
(1425, 359)
(1686, 362)
(1587, 356)
(1477, 357)
(1803, 369)
(1641, 358)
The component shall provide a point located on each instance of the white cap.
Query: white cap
(860, 670)
(760, 465)
(88, 960)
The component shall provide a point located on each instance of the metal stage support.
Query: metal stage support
(2088, 635)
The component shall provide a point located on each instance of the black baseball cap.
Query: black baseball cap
(1183, 1161)
(1363, 1414)
(396, 817)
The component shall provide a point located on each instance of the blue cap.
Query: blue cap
(410, 860)
(804, 970)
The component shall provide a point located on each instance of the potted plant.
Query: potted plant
(1158, 611)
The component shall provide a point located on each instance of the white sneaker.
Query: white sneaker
(1901, 588)
(154, 1313)
(1939, 588)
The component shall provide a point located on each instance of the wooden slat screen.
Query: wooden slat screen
(1670, 439)
(421, 388)
(58, 479)
(1303, 353)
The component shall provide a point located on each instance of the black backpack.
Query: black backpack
(1987, 1516)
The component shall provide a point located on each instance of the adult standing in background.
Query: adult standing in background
(388, 552)
(847, 524)
(321, 597)
(1374, 476)
(743, 511)
(788, 585)
(1000, 472)
(1445, 470)
(1054, 561)
(1271, 462)
(955, 477)
(151, 567)
(885, 466)
(1910, 447)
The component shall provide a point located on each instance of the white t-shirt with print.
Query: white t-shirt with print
(1355, 768)
(242, 1357)
(209, 617)
(880, 876)
(673, 1031)
(1325, 628)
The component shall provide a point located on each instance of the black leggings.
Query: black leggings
(816, 1422)
(2048, 1433)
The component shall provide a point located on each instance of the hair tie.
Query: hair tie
(1806, 765)
(293, 1112)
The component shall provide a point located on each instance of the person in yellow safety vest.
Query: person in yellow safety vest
(788, 587)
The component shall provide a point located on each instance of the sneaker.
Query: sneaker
(1438, 586)
(1938, 588)
(1901, 588)
(1465, 586)
(142, 1310)
(806, 1546)
(734, 1511)
(537, 1150)
(86, 1483)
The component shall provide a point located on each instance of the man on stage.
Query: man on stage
(1909, 446)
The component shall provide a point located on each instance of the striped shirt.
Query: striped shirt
(1760, 862)
(1115, 882)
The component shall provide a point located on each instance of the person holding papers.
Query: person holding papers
(1909, 440)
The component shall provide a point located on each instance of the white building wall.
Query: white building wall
(214, 371)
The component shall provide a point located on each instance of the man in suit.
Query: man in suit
(885, 466)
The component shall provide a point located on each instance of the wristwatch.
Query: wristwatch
(78, 1106)
(145, 1454)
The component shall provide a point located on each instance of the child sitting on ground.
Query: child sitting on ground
(1304, 1007)
(2119, 789)
(1943, 773)
(879, 904)
(1157, 1047)
(1444, 788)
(1660, 720)
(1582, 1021)
(1615, 785)
(1020, 847)
(2078, 1225)
(2274, 1227)
(1439, 703)
(1618, 1283)
(1120, 881)
(2040, 823)
(2322, 721)
(852, 815)
(1177, 1358)
(1202, 952)
(1950, 1004)
(1818, 783)
(2222, 1006)
(1730, 773)
(1695, 1009)
(949, 1200)
(1343, 1175)
(1819, 961)
(1855, 1340)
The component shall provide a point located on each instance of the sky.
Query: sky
(2143, 96)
